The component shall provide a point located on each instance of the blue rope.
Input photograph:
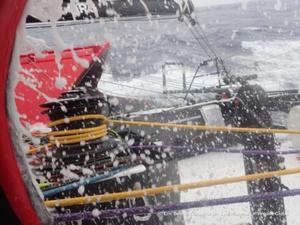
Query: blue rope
(90, 180)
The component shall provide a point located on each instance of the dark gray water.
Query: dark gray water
(261, 37)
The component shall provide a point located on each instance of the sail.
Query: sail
(143, 7)
(67, 10)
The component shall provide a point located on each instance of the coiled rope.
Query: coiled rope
(72, 136)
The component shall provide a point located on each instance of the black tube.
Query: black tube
(252, 112)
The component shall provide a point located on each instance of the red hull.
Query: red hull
(38, 80)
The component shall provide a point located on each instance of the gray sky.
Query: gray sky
(198, 3)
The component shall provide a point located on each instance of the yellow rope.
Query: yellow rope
(76, 118)
(44, 185)
(33, 150)
(86, 134)
(205, 127)
(100, 130)
(78, 138)
(165, 189)
(114, 133)
(73, 131)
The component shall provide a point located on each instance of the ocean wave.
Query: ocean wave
(253, 29)
(276, 62)
(277, 48)
(171, 39)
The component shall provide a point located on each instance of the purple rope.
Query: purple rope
(256, 152)
(224, 150)
(111, 213)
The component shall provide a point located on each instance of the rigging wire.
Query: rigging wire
(194, 77)
(138, 88)
(204, 48)
(171, 83)
(197, 39)
(207, 42)
(200, 36)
